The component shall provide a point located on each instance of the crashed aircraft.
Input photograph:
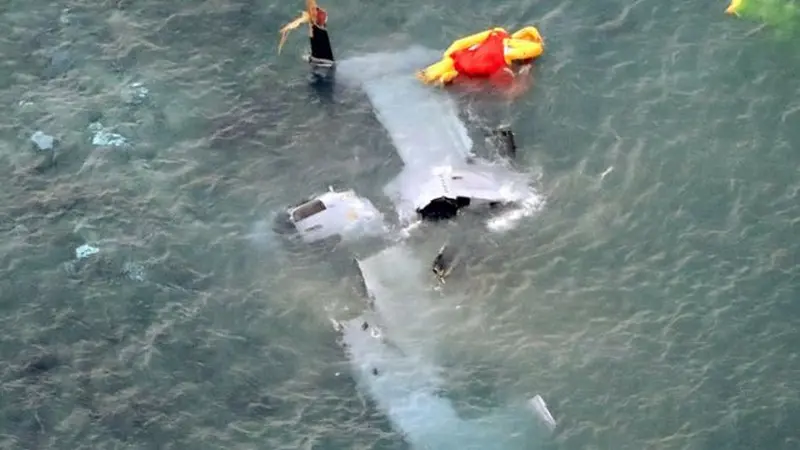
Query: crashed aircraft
(440, 178)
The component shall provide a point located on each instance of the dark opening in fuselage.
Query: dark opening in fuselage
(443, 208)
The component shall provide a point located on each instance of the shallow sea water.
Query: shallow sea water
(653, 302)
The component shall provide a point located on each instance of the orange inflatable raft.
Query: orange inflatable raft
(485, 56)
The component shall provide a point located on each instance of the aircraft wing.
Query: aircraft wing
(431, 139)
(422, 122)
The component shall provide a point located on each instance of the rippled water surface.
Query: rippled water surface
(653, 302)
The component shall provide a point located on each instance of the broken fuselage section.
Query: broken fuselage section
(334, 216)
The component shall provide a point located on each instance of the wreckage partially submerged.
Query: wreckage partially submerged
(333, 216)
(412, 393)
(441, 176)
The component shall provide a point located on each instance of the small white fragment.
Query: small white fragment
(135, 93)
(64, 17)
(540, 407)
(607, 171)
(108, 139)
(105, 138)
(85, 251)
(43, 141)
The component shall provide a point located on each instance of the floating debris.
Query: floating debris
(42, 141)
(783, 16)
(506, 142)
(135, 94)
(540, 407)
(606, 172)
(134, 271)
(104, 137)
(85, 251)
(447, 258)
(64, 18)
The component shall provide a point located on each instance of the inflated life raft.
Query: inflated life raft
(484, 55)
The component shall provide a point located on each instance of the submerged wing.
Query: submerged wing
(409, 390)
(425, 128)
(422, 123)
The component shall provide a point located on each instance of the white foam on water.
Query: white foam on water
(510, 218)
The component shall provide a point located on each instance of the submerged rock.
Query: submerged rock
(60, 63)
(41, 364)
(42, 141)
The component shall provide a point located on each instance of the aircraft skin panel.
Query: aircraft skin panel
(411, 392)
(345, 214)
(428, 135)
(413, 188)
(400, 284)
(422, 122)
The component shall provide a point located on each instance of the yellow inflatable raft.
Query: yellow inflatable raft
(481, 54)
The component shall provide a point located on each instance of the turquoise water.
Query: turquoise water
(653, 307)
